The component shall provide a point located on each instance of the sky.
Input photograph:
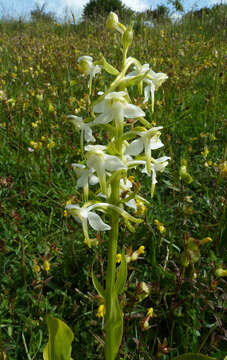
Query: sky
(17, 8)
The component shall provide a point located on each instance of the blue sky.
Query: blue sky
(16, 8)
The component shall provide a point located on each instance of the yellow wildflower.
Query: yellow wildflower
(36, 268)
(118, 258)
(206, 240)
(131, 179)
(46, 265)
(161, 228)
(141, 208)
(101, 311)
(141, 249)
(205, 152)
(150, 312)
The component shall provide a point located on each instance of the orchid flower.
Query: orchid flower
(85, 178)
(116, 107)
(86, 66)
(153, 81)
(84, 127)
(156, 165)
(100, 161)
(85, 215)
(126, 186)
(149, 140)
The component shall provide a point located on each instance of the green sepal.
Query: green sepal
(192, 356)
(122, 275)
(132, 80)
(109, 68)
(60, 339)
(97, 285)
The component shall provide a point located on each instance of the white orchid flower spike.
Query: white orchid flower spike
(100, 161)
(85, 215)
(83, 127)
(148, 141)
(86, 177)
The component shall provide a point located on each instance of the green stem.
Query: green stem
(111, 296)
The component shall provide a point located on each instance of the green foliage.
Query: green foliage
(192, 356)
(98, 8)
(40, 15)
(60, 339)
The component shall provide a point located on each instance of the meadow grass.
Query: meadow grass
(45, 266)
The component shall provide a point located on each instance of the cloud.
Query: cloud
(215, 2)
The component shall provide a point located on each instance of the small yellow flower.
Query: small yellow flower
(206, 240)
(46, 265)
(161, 228)
(131, 179)
(51, 144)
(141, 208)
(118, 258)
(141, 249)
(36, 268)
(34, 124)
(205, 152)
(65, 213)
(150, 312)
(223, 168)
(101, 311)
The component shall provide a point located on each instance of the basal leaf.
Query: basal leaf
(60, 339)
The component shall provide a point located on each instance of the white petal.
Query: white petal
(132, 204)
(146, 94)
(113, 163)
(133, 111)
(103, 118)
(155, 143)
(88, 134)
(95, 148)
(116, 95)
(136, 147)
(93, 180)
(100, 107)
(85, 58)
(96, 222)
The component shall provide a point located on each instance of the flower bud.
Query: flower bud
(128, 37)
(112, 21)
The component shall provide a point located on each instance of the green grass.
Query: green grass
(188, 301)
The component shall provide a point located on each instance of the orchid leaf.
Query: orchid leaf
(97, 285)
(60, 339)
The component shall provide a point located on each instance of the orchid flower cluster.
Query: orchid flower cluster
(106, 167)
